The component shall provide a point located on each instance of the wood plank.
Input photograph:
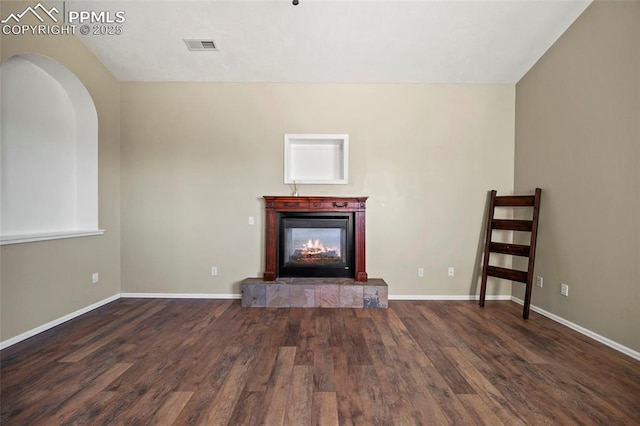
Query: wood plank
(92, 407)
(510, 249)
(205, 322)
(322, 356)
(373, 394)
(248, 409)
(447, 402)
(78, 400)
(478, 409)
(126, 317)
(507, 274)
(440, 360)
(325, 409)
(267, 351)
(512, 224)
(300, 396)
(307, 332)
(84, 351)
(277, 394)
(350, 411)
(292, 332)
(492, 400)
(514, 201)
(172, 407)
(226, 399)
(356, 344)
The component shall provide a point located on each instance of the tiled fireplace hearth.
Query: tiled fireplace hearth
(315, 256)
(314, 293)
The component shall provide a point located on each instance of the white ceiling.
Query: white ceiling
(426, 41)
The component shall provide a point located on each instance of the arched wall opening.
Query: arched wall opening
(49, 152)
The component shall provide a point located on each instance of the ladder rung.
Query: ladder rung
(507, 274)
(512, 225)
(512, 249)
(515, 200)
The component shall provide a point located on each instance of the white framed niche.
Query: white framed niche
(316, 159)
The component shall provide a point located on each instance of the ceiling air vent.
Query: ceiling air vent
(201, 45)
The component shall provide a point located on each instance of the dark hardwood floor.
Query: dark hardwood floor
(141, 361)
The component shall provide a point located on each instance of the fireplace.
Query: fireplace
(315, 237)
(315, 245)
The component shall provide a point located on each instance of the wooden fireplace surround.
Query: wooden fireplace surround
(277, 204)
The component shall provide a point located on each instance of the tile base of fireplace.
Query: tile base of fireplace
(314, 293)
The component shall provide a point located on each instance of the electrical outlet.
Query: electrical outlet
(214, 270)
(95, 278)
(452, 271)
(421, 272)
(251, 220)
(564, 289)
(539, 281)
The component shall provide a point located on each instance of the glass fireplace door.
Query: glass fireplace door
(315, 245)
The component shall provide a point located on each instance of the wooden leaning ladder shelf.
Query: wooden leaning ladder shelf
(526, 277)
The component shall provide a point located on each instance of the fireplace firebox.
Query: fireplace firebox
(315, 245)
(315, 237)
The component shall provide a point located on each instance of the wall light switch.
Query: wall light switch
(214, 270)
(95, 278)
(251, 220)
(421, 272)
(451, 271)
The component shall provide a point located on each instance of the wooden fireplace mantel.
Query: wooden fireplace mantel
(278, 204)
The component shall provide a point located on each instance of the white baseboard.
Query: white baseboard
(181, 295)
(51, 324)
(239, 296)
(595, 336)
(447, 297)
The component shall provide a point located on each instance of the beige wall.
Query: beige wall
(43, 281)
(197, 158)
(578, 137)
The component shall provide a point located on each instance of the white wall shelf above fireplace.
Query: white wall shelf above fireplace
(316, 159)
